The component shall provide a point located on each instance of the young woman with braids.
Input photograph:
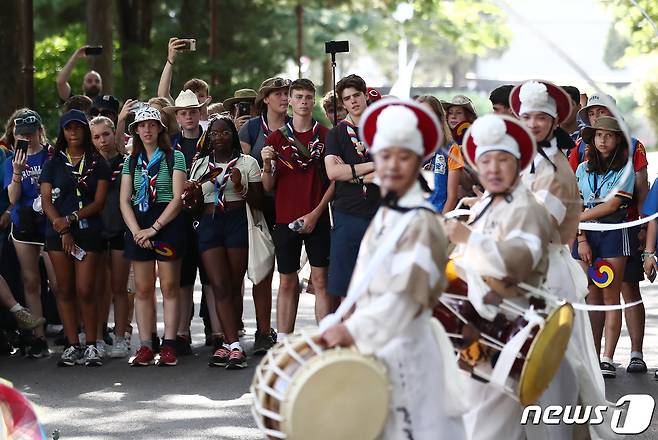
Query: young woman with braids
(223, 229)
(74, 184)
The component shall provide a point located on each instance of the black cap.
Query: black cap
(27, 122)
(105, 102)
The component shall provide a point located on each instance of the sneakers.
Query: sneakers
(220, 358)
(636, 365)
(183, 345)
(143, 357)
(237, 360)
(73, 355)
(102, 348)
(264, 342)
(167, 357)
(27, 321)
(608, 370)
(92, 357)
(38, 349)
(120, 349)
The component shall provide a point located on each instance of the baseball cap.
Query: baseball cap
(71, 116)
(27, 122)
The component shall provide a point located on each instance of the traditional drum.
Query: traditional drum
(301, 391)
(480, 341)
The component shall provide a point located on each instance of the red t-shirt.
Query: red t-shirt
(298, 191)
(639, 163)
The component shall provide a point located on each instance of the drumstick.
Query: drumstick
(210, 175)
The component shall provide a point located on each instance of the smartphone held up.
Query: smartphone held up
(190, 44)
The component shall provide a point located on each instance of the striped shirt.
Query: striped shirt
(163, 182)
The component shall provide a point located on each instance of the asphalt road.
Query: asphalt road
(193, 401)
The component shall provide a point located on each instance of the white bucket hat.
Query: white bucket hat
(187, 99)
(145, 114)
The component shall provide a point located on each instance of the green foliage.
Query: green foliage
(50, 55)
(634, 26)
(649, 98)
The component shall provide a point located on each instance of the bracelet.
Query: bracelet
(64, 232)
(16, 174)
(170, 62)
(648, 254)
(354, 175)
(156, 230)
(157, 222)
(16, 180)
(582, 241)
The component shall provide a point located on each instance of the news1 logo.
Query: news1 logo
(638, 414)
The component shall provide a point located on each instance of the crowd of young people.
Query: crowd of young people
(123, 191)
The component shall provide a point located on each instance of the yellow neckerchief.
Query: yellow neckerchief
(81, 166)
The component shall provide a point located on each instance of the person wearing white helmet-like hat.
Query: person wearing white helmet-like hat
(392, 319)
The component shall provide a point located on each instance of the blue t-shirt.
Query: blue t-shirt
(595, 187)
(440, 168)
(29, 180)
(59, 174)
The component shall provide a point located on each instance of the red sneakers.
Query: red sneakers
(143, 358)
(220, 357)
(167, 357)
(237, 360)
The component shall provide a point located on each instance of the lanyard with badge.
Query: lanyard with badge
(77, 177)
(596, 189)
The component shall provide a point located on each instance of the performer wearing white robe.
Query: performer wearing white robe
(553, 183)
(507, 238)
(392, 318)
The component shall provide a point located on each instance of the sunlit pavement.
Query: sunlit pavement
(190, 401)
(193, 401)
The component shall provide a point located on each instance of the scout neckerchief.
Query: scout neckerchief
(220, 183)
(116, 172)
(301, 155)
(359, 148)
(263, 126)
(147, 189)
(79, 179)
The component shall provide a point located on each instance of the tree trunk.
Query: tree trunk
(135, 20)
(11, 45)
(99, 33)
(326, 75)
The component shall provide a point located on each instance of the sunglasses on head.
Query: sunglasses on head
(107, 113)
(280, 82)
(26, 120)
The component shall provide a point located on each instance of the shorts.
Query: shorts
(115, 243)
(190, 253)
(634, 272)
(28, 237)
(608, 244)
(89, 241)
(224, 229)
(346, 239)
(168, 241)
(288, 246)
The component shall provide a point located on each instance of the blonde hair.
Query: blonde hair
(435, 104)
(98, 120)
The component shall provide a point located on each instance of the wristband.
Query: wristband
(157, 222)
(170, 62)
(354, 175)
(156, 230)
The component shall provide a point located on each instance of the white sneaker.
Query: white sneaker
(120, 349)
(102, 348)
(92, 357)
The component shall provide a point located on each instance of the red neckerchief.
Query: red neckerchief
(315, 148)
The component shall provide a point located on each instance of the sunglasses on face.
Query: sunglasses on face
(26, 120)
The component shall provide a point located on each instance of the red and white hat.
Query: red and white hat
(540, 96)
(373, 95)
(499, 133)
(391, 122)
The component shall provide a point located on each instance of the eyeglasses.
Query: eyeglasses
(107, 113)
(218, 133)
(27, 120)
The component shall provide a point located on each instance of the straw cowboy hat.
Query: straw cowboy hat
(242, 95)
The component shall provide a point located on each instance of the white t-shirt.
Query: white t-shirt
(247, 165)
